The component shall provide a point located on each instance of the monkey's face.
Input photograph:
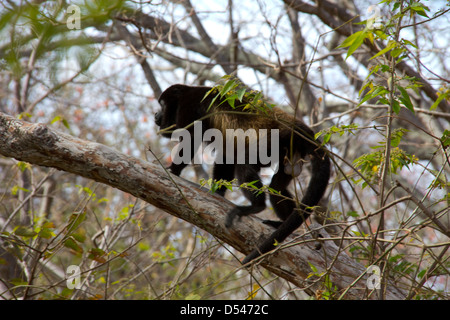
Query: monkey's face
(166, 118)
(158, 119)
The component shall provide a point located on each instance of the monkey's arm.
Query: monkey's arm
(177, 168)
(178, 162)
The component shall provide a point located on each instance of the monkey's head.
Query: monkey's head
(167, 116)
(181, 105)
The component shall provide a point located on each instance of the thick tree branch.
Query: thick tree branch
(40, 145)
(134, 44)
(213, 48)
(161, 30)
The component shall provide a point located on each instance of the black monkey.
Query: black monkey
(182, 105)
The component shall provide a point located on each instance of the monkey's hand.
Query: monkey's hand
(252, 255)
(240, 211)
(176, 168)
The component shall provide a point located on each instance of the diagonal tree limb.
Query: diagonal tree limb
(43, 146)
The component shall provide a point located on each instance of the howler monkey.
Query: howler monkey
(182, 105)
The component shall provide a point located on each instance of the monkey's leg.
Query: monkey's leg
(248, 173)
(283, 204)
(225, 172)
(178, 164)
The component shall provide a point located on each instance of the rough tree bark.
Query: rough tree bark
(40, 145)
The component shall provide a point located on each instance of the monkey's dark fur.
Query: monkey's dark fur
(182, 105)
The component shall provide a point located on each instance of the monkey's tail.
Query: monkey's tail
(315, 191)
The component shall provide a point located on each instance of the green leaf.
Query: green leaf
(395, 141)
(405, 98)
(380, 34)
(368, 96)
(252, 184)
(46, 233)
(16, 188)
(75, 220)
(213, 101)
(214, 186)
(438, 100)
(395, 106)
(208, 93)
(354, 41)
(97, 254)
(124, 213)
(446, 138)
(327, 137)
(419, 8)
(56, 119)
(232, 99)
(369, 84)
(349, 41)
(66, 123)
(79, 237)
(23, 166)
(391, 45)
(372, 94)
(240, 94)
(72, 244)
(313, 268)
(353, 214)
(396, 52)
(409, 43)
(357, 42)
(227, 87)
(422, 273)
(25, 232)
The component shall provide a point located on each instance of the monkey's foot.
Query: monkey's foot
(241, 211)
(231, 216)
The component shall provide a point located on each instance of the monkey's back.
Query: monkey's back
(224, 117)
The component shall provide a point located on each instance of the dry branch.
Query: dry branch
(43, 146)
